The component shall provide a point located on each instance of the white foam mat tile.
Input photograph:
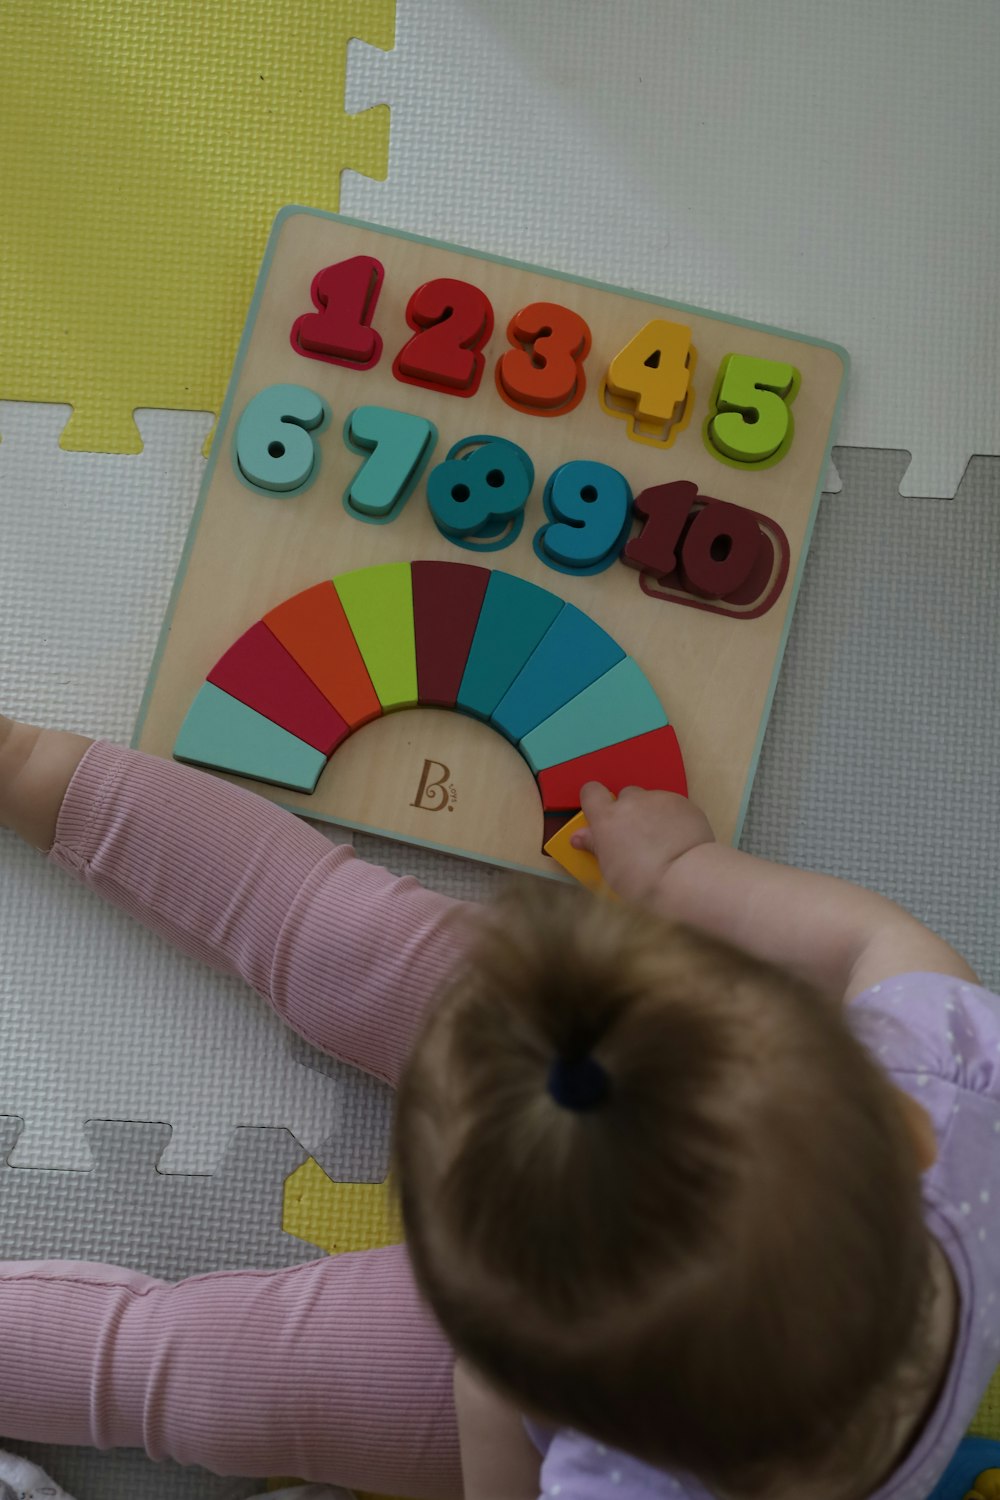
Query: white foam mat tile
(831, 169)
(99, 1019)
(91, 544)
(880, 762)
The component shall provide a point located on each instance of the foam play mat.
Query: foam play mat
(137, 206)
(147, 148)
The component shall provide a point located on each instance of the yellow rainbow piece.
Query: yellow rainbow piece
(146, 152)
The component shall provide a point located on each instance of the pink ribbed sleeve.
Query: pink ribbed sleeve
(347, 954)
(333, 1370)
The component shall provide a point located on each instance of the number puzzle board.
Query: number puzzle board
(291, 499)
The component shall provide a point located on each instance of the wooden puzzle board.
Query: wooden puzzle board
(247, 552)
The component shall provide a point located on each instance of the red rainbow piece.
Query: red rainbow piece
(258, 671)
(651, 760)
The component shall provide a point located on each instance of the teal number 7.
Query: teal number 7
(749, 419)
(396, 446)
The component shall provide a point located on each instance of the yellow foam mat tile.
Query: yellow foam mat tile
(340, 1216)
(986, 1422)
(147, 146)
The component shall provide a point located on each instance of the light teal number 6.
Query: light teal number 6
(276, 438)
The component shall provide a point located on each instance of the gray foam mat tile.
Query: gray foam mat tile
(357, 1148)
(127, 1474)
(880, 761)
(170, 1225)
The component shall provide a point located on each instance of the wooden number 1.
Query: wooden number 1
(340, 330)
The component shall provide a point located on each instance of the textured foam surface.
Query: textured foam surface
(140, 186)
(879, 763)
(838, 176)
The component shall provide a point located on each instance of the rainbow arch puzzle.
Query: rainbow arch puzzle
(341, 654)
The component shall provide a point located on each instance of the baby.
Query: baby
(695, 1183)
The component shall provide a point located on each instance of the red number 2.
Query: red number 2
(452, 321)
(340, 330)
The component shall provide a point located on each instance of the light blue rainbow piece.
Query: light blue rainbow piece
(224, 734)
(573, 653)
(618, 706)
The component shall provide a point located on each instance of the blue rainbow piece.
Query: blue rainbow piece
(514, 618)
(571, 655)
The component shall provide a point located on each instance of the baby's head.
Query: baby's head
(721, 1265)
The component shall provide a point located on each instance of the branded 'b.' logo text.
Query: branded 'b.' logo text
(434, 792)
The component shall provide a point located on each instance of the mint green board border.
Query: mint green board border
(501, 260)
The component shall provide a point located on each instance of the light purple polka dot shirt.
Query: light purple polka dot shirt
(939, 1039)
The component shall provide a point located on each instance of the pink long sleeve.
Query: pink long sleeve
(347, 954)
(333, 1370)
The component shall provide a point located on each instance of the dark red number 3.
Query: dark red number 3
(452, 321)
(339, 331)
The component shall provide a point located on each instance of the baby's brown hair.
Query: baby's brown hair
(721, 1266)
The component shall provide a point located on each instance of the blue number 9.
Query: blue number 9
(589, 506)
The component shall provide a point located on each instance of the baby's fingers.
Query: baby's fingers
(595, 801)
(583, 839)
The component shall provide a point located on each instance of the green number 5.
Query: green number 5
(749, 421)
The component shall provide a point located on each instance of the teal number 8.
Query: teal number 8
(477, 495)
(275, 446)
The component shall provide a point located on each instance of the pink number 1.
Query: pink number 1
(340, 330)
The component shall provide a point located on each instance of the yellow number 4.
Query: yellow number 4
(649, 383)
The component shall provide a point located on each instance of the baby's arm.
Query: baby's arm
(499, 1460)
(347, 954)
(658, 848)
(36, 767)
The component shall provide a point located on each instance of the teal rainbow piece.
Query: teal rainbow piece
(226, 735)
(618, 706)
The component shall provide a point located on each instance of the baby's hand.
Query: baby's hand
(637, 837)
